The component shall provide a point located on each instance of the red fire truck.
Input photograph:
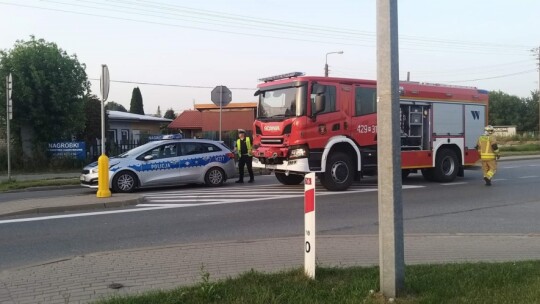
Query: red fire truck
(329, 126)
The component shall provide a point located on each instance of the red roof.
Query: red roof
(230, 120)
(232, 105)
(206, 118)
(189, 119)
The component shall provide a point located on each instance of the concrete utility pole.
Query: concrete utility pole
(538, 58)
(391, 252)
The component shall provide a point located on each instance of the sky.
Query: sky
(176, 52)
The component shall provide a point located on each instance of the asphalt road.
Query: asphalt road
(35, 193)
(267, 209)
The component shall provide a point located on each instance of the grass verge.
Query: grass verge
(512, 282)
(15, 185)
(521, 148)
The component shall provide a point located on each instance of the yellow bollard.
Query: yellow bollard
(103, 177)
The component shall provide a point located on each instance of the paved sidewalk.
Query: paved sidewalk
(82, 279)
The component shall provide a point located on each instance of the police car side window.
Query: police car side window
(191, 148)
(208, 148)
(163, 151)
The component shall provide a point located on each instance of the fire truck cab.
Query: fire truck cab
(329, 126)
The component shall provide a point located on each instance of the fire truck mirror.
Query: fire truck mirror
(319, 104)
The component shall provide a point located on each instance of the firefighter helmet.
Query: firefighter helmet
(489, 129)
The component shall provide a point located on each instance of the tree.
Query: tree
(92, 121)
(158, 112)
(48, 90)
(113, 106)
(505, 109)
(170, 114)
(136, 106)
(531, 112)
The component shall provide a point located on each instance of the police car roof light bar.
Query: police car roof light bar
(172, 136)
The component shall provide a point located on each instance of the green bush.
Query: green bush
(38, 162)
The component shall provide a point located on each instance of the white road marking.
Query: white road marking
(52, 217)
(454, 184)
(222, 201)
(530, 176)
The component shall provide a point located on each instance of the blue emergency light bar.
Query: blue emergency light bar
(172, 136)
(282, 76)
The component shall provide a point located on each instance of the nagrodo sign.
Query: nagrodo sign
(71, 149)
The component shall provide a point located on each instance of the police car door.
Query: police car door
(162, 167)
(191, 161)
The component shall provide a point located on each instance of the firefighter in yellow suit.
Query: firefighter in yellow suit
(489, 153)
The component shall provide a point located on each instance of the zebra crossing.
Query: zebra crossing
(230, 194)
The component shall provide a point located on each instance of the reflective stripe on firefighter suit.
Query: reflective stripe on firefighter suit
(487, 155)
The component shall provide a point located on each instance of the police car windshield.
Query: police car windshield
(136, 151)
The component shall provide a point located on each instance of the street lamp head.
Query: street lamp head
(326, 62)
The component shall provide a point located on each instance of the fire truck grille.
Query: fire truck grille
(272, 141)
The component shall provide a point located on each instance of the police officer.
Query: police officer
(489, 153)
(243, 148)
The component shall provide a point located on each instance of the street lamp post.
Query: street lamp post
(326, 62)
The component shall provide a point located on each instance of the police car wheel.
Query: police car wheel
(124, 182)
(214, 177)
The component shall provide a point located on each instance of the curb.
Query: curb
(91, 206)
(42, 188)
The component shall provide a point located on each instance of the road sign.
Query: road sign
(9, 92)
(221, 95)
(10, 85)
(104, 82)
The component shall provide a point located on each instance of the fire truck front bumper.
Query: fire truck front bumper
(300, 165)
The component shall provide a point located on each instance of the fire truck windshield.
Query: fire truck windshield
(281, 103)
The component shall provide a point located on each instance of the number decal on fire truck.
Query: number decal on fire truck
(363, 129)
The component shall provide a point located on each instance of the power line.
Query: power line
(424, 42)
(494, 77)
(182, 26)
(169, 85)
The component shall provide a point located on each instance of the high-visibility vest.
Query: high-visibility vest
(248, 146)
(485, 147)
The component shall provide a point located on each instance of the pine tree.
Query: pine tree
(169, 114)
(136, 105)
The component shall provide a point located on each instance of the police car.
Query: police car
(166, 162)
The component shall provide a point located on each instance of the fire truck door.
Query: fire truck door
(364, 116)
(332, 120)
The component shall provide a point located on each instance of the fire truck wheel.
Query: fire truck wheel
(405, 173)
(427, 174)
(339, 173)
(292, 179)
(446, 166)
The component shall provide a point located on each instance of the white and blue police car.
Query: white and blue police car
(164, 163)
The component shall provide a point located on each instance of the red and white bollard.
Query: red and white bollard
(309, 224)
